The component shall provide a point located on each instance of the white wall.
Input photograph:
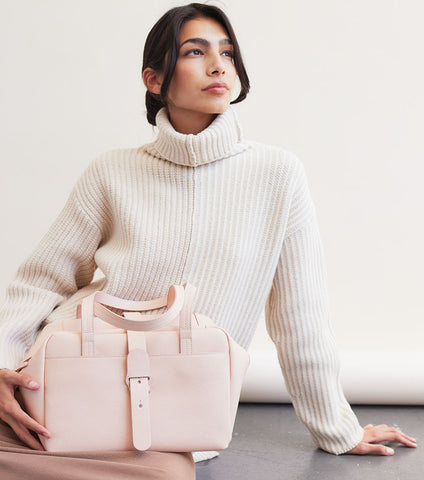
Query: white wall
(337, 82)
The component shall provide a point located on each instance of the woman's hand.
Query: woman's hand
(12, 413)
(381, 433)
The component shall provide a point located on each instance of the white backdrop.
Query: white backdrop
(337, 82)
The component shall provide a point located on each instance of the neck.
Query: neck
(189, 122)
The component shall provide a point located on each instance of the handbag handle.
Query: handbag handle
(179, 299)
(175, 301)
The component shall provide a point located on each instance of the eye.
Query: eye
(228, 53)
(193, 51)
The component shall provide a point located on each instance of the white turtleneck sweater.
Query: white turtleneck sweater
(234, 218)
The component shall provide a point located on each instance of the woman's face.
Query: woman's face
(204, 76)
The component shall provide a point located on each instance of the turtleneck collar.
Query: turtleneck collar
(221, 139)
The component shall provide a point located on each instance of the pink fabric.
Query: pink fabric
(19, 462)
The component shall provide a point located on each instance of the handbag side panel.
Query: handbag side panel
(239, 363)
(34, 399)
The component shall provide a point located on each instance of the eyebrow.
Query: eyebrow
(206, 43)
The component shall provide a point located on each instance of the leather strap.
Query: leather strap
(146, 322)
(90, 308)
(138, 380)
(186, 320)
(135, 305)
(87, 326)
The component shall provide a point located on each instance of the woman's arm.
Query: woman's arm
(62, 263)
(298, 323)
(297, 319)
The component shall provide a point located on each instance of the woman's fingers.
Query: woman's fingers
(381, 433)
(398, 436)
(30, 423)
(24, 434)
(364, 448)
(11, 411)
(22, 380)
(411, 439)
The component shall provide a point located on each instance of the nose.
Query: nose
(216, 66)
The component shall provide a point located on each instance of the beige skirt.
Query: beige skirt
(19, 462)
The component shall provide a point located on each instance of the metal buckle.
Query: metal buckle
(138, 366)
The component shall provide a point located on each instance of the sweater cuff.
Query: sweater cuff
(357, 437)
(200, 456)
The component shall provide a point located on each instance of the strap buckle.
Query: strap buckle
(138, 366)
(138, 382)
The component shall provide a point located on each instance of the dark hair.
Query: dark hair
(163, 39)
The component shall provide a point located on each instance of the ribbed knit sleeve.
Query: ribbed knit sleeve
(62, 263)
(297, 320)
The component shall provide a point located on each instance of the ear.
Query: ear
(152, 80)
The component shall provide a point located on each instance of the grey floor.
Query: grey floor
(270, 443)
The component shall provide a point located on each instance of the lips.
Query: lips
(217, 88)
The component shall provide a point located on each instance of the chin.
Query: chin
(222, 109)
(218, 107)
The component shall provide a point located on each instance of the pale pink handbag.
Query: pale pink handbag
(168, 382)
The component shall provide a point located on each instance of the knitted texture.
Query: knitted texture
(234, 218)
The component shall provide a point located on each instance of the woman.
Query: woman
(199, 204)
